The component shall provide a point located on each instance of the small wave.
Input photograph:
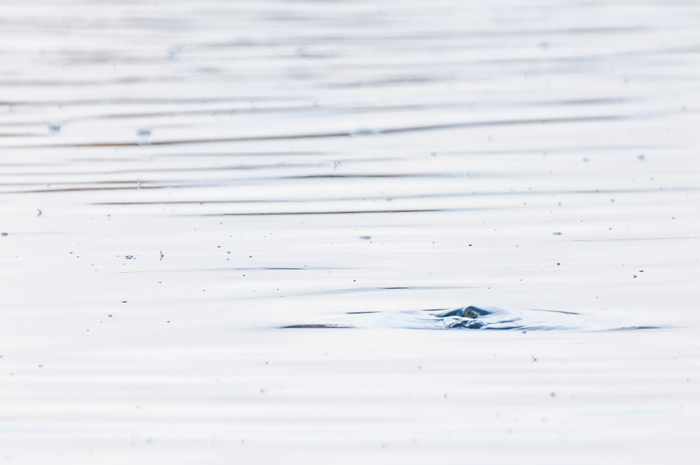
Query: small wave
(478, 318)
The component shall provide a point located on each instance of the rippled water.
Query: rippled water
(179, 181)
(478, 318)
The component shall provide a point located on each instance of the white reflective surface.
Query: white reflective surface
(179, 180)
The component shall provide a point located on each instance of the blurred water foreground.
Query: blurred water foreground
(180, 180)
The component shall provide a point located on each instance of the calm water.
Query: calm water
(179, 181)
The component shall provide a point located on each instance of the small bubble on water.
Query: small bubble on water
(174, 52)
(144, 136)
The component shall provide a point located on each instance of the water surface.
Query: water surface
(178, 182)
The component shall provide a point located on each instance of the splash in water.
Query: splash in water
(478, 318)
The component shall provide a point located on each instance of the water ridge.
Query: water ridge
(478, 318)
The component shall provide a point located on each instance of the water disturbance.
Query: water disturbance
(479, 318)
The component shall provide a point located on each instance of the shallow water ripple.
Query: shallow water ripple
(479, 318)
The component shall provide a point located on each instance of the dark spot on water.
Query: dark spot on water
(364, 132)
